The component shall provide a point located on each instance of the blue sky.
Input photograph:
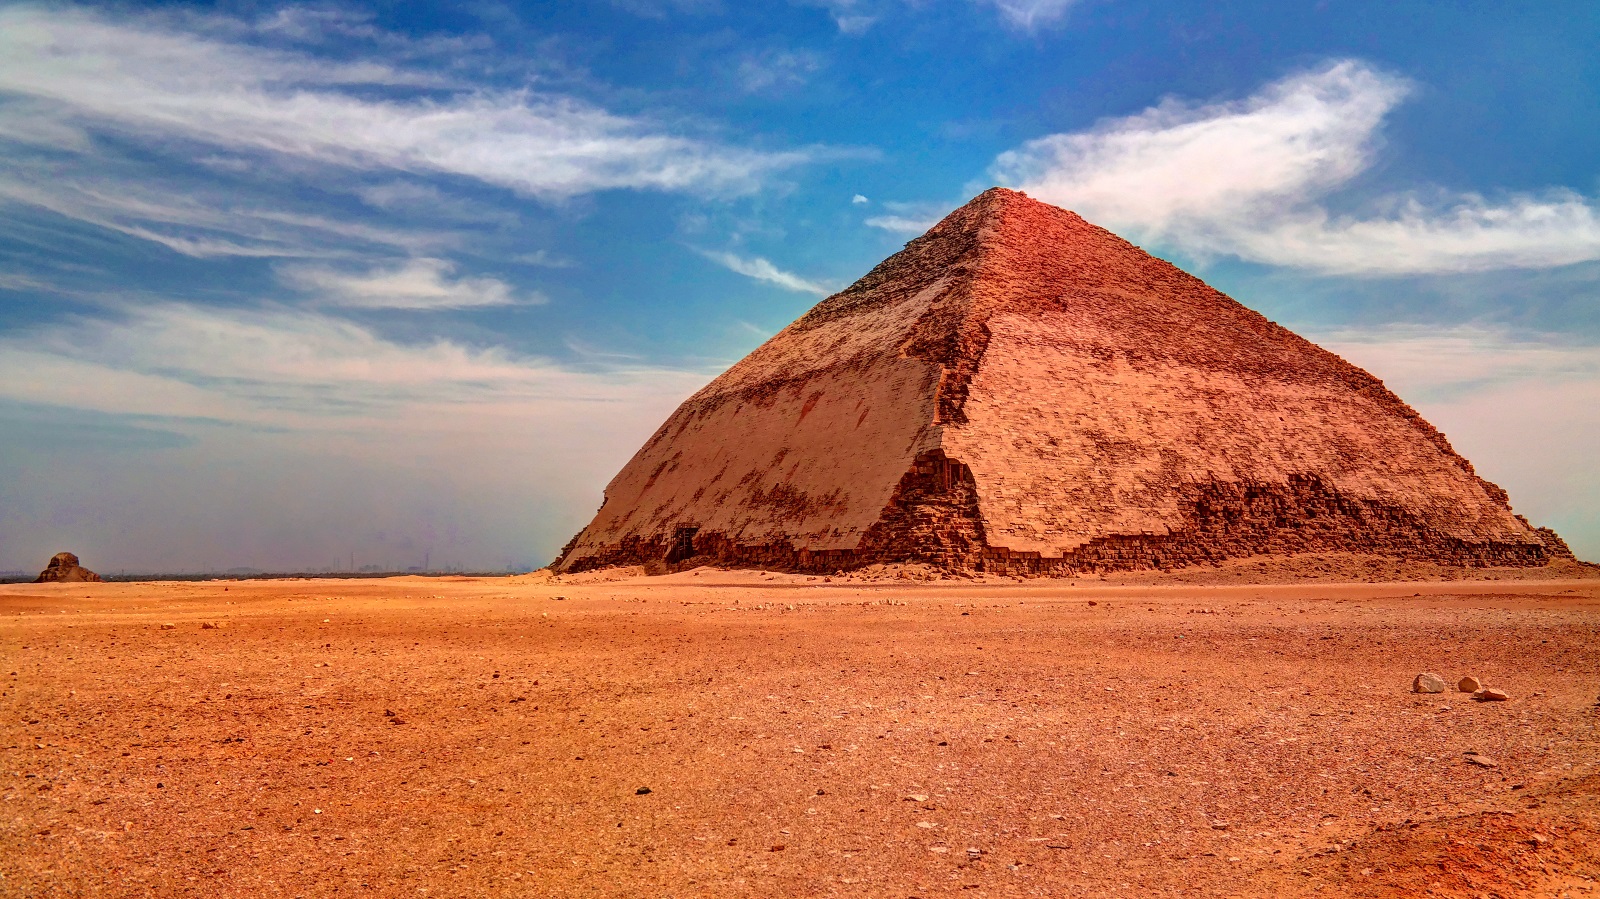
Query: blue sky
(286, 286)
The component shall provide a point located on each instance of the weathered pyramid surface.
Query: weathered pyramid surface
(1020, 391)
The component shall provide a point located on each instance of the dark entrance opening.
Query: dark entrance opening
(682, 544)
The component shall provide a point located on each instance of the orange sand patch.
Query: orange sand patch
(798, 737)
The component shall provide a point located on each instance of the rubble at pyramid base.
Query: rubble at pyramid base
(933, 519)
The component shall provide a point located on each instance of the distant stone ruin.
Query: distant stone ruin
(1021, 392)
(64, 569)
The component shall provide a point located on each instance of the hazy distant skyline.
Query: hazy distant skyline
(283, 284)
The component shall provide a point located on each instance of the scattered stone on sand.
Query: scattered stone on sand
(168, 626)
(916, 797)
(64, 569)
(1428, 683)
(1490, 694)
(642, 791)
(1469, 684)
(1482, 761)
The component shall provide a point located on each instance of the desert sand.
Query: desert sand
(715, 733)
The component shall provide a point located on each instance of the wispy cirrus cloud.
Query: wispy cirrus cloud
(146, 79)
(776, 71)
(289, 368)
(1031, 14)
(762, 270)
(1429, 363)
(908, 218)
(850, 16)
(1249, 178)
(195, 217)
(855, 17)
(417, 284)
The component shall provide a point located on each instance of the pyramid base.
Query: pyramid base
(1123, 554)
(933, 519)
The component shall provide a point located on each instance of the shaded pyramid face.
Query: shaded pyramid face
(1019, 391)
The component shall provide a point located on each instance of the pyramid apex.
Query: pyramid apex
(998, 201)
(997, 208)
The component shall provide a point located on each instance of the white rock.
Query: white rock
(1428, 683)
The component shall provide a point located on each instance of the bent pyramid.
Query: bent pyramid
(1019, 391)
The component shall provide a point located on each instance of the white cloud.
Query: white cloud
(859, 200)
(145, 79)
(286, 368)
(762, 270)
(1031, 14)
(1460, 234)
(853, 17)
(415, 284)
(900, 224)
(1249, 178)
(909, 218)
(776, 71)
(1433, 363)
(14, 281)
(199, 219)
(849, 24)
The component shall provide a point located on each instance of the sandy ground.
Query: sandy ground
(797, 737)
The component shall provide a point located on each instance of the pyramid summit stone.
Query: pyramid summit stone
(1019, 391)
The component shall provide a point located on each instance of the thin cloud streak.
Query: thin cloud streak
(762, 270)
(142, 79)
(1433, 362)
(1032, 14)
(289, 368)
(899, 224)
(1249, 179)
(909, 218)
(416, 284)
(202, 220)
